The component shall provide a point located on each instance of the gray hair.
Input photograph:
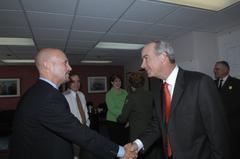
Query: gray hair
(162, 46)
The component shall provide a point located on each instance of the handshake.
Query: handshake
(131, 151)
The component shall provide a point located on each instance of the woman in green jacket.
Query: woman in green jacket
(115, 99)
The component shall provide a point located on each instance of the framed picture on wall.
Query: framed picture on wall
(9, 87)
(97, 84)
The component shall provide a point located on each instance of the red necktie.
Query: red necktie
(167, 104)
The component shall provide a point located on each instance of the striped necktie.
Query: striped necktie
(80, 109)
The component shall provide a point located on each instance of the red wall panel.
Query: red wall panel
(28, 76)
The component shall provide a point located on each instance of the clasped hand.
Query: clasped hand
(131, 151)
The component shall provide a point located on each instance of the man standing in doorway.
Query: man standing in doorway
(229, 89)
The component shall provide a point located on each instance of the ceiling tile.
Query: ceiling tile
(186, 17)
(76, 51)
(12, 19)
(81, 44)
(92, 24)
(56, 43)
(22, 49)
(48, 34)
(128, 27)
(122, 38)
(164, 30)
(44, 20)
(85, 35)
(15, 32)
(51, 6)
(10, 5)
(103, 8)
(148, 11)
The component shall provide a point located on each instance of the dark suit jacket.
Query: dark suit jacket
(230, 94)
(197, 127)
(137, 110)
(44, 128)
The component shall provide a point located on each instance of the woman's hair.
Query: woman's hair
(113, 77)
(136, 79)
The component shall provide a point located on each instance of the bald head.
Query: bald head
(52, 64)
(44, 55)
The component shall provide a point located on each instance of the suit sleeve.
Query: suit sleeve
(56, 117)
(126, 111)
(152, 133)
(213, 117)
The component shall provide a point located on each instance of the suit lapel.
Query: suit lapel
(227, 82)
(178, 91)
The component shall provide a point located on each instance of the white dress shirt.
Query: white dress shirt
(171, 80)
(71, 98)
(223, 80)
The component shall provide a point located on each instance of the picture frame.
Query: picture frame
(97, 84)
(9, 87)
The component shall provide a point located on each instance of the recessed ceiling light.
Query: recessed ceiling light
(16, 41)
(214, 5)
(125, 46)
(95, 61)
(17, 61)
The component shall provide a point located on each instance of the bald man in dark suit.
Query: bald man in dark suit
(44, 127)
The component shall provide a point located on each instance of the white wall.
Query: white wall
(196, 51)
(184, 51)
(229, 49)
(205, 51)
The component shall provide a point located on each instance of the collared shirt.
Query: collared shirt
(121, 152)
(171, 81)
(223, 80)
(70, 95)
(50, 82)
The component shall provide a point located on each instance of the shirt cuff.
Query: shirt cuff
(121, 152)
(139, 144)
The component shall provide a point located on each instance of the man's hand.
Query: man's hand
(131, 151)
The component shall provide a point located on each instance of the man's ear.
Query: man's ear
(47, 65)
(162, 57)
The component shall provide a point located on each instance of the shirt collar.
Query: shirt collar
(225, 78)
(171, 80)
(72, 91)
(50, 82)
